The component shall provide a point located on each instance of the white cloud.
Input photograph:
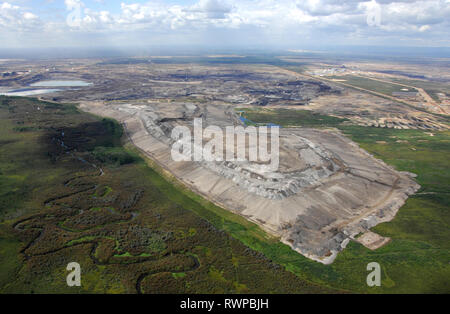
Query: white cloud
(29, 16)
(73, 4)
(277, 14)
(212, 9)
(15, 19)
(285, 19)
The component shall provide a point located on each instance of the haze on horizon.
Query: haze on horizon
(280, 24)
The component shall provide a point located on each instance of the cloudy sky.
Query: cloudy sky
(292, 24)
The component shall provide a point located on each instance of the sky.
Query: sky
(275, 24)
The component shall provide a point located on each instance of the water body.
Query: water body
(30, 92)
(52, 83)
(269, 125)
(55, 83)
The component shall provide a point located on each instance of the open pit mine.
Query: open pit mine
(324, 193)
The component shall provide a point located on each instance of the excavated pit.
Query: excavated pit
(325, 191)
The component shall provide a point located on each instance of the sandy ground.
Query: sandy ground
(317, 220)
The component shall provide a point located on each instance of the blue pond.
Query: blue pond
(270, 125)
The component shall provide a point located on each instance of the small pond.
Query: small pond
(56, 83)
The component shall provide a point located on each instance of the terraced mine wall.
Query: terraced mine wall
(326, 191)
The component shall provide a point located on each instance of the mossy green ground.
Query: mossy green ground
(49, 218)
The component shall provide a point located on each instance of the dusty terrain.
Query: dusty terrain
(326, 191)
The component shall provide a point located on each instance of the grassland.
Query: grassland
(288, 118)
(371, 85)
(71, 192)
(432, 88)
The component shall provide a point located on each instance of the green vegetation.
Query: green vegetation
(216, 274)
(60, 202)
(114, 156)
(9, 258)
(172, 236)
(287, 117)
(179, 275)
(81, 240)
(372, 85)
(431, 87)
